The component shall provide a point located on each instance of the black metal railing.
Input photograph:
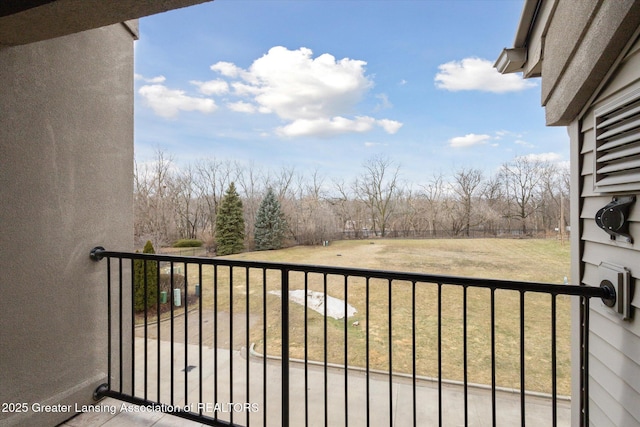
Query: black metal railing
(232, 342)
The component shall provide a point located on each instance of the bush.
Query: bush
(188, 243)
(140, 300)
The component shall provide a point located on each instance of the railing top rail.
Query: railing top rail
(498, 284)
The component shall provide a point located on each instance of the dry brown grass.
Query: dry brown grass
(529, 260)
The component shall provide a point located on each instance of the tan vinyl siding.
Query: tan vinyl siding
(614, 360)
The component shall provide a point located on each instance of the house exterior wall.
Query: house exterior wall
(614, 359)
(66, 174)
(588, 55)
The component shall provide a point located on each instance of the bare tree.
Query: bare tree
(433, 193)
(249, 180)
(466, 184)
(213, 178)
(153, 213)
(379, 188)
(522, 177)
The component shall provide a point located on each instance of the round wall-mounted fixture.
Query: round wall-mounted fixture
(614, 218)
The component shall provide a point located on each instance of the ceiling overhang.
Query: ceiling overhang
(28, 21)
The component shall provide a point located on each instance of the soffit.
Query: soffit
(28, 21)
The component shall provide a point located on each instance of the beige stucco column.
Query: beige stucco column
(66, 173)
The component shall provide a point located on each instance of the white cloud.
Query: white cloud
(326, 127)
(168, 103)
(523, 143)
(370, 144)
(316, 96)
(212, 87)
(227, 69)
(390, 126)
(152, 80)
(543, 157)
(241, 107)
(478, 74)
(468, 140)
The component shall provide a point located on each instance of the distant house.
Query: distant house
(587, 53)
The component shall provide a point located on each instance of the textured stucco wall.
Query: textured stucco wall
(66, 173)
(583, 40)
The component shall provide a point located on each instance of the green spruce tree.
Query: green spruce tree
(230, 224)
(270, 223)
(140, 300)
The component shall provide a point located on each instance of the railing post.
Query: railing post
(285, 347)
(96, 253)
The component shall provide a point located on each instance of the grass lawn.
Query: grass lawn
(528, 260)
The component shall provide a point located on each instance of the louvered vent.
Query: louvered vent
(618, 145)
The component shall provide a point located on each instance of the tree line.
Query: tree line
(526, 196)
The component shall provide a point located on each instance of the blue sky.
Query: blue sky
(328, 84)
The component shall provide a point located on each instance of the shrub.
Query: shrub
(188, 243)
(140, 300)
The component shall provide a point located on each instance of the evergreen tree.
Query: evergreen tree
(230, 223)
(270, 223)
(140, 301)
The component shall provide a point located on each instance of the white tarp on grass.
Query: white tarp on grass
(316, 301)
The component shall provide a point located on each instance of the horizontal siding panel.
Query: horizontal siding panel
(595, 253)
(591, 205)
(588, 135)
(617, 411)
(592, 233)
(587, 187)
(597, 416)
(587, 122)
(588, 162)
(617, 337)
(617, 363)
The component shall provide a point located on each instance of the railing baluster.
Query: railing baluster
(120, 326)
(413, 352)
(285, 347)
(440, 354)
(133, 334)
(554, 372)
(246, 345)
(171, 340)
(306, 350)
(522, 358)
(158, 323)
(368, 390)
(464, 355)
(109, 320)
(215, 340)
(200, 367)
(493, 358)
(146, 300)
(346, 360)
(264, 346)
(186, 335)
(231, 341)
(390, 355)
(326, 403)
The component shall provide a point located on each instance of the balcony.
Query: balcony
(420, 349)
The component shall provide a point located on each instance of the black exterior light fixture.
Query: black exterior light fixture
(614, 218)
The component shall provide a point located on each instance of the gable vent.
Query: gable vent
(617, 156)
